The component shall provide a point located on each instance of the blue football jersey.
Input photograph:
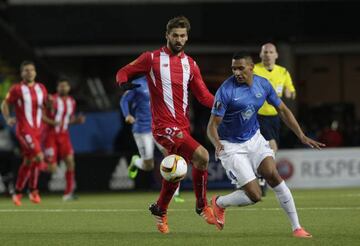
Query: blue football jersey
(137, 103)
(237, 103)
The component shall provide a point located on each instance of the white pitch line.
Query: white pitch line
(145, 210)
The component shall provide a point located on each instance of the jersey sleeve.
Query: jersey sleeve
(139, 66)
(199, 89)
(221, 102)
(288, 82)
(271, 96)
(126, 99)
(45, 94)
(13, 94)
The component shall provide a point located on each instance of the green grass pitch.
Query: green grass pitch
(332, 216)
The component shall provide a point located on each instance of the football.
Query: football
(173, 168)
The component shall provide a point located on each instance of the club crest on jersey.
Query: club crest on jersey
(248, 112)
(258, 95)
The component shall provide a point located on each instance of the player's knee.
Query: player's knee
(201, 159)
(148, 165)
(274, 180)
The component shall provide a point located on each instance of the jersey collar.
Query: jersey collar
(24, 83)
(168, 51)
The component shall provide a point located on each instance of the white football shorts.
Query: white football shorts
(241, 160)
(145, 143)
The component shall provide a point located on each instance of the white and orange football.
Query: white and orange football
(173, 168)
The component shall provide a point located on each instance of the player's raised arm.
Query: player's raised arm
(141, 65)
(289, 119)
(200, 90)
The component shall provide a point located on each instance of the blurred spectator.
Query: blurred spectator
(331, 136)
(5, 84)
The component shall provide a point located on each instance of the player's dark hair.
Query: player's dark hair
(178, 22)
(63, 79)
(242, 55)
(25, 63)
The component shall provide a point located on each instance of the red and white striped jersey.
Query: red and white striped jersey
(63, 108)
(28, 102)
(169, 78)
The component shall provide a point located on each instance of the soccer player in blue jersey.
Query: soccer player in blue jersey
(244, 153)
(135, 106)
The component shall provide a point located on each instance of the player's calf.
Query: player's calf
(253, 191)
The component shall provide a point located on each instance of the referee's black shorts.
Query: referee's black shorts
(270, 127)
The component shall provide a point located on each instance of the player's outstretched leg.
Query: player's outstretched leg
(268, 170)
(159, 209)
(250, 194)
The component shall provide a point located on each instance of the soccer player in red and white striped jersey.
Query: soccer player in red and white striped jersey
(171, 74)
(28, 98)
(57, 142)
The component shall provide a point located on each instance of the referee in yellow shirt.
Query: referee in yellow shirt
(280, 79)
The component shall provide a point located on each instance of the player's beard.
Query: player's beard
(175, 49)
(29, 80)
(62, 94)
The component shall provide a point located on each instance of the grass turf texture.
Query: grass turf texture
(332, 216)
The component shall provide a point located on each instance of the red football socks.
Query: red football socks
(70, 179)
(34, 175)
(23, 176)
(200, 185)
(167, 192)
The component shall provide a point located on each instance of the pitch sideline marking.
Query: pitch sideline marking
(145, 210)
